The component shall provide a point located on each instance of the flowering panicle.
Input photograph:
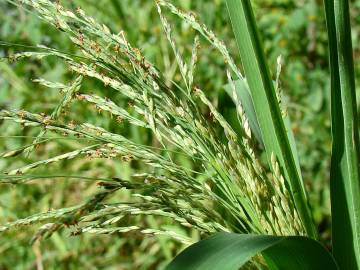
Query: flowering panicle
(227, 181)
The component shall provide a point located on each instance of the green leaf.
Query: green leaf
(243, 92)
(344, 174)
(230, 251)
(266, 105)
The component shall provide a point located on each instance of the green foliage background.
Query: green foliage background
(293, 29)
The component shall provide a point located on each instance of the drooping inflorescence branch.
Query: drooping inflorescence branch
(228, 180)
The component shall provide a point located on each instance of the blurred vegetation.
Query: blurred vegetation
(293, 29)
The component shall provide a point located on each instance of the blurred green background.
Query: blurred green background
(293, 29)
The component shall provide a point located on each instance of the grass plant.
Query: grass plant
(223, 187)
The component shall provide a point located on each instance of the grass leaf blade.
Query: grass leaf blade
(267, 108)
(345, 176)
(230, 251)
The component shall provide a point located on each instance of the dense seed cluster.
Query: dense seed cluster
(229, 191)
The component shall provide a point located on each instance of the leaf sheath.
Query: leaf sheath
(344, 175)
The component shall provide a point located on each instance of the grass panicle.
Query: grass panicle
(226, 179)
